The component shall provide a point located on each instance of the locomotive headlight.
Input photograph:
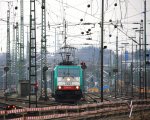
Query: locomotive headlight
(68, 79)
(77, 87)
(59, 87)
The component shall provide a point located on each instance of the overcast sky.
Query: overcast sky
(123, 14)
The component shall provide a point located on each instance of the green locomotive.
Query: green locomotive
(67, 83)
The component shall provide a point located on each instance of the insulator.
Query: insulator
(88, 5)
(16, 7)
(115, 4)
(89, 29)
(81, 19)
(110, 20)
(43, 7)
(82, 33)
(87, 32)
(105, 47)
(115, 26)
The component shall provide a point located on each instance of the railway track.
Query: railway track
(95, 97)
(41, 103)
(88, 98)
(90, 108)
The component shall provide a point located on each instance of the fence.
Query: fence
(86, 110)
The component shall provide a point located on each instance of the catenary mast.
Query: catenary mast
(32, 57)
(17, 52)
(21, 62)
(43, 53)
(8, 57)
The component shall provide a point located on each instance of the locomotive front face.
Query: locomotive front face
(68, 78)
(67, 83)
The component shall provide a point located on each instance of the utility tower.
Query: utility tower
(32, 57)
(8, 57)
(43, 54)
(21, 60)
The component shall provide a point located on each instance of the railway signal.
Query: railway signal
(83, 65)
(36, 86)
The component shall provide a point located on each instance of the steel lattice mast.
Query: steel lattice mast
(14, 56)
(43, 52)
(21, 62)
(17, 52)
(8, 57)
(32, 57)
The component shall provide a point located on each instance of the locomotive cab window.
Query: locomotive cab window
(70, 72)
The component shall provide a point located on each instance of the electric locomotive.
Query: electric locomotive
(67, 82)
(67, 78)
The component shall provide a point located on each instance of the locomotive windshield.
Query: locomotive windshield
(69, 72)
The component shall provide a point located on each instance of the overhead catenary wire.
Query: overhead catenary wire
(55, 20)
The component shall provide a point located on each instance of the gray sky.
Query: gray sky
(124, 14)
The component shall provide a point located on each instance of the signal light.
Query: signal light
(9, 107)
(36, 86)
(83, 65)
(14, 107)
